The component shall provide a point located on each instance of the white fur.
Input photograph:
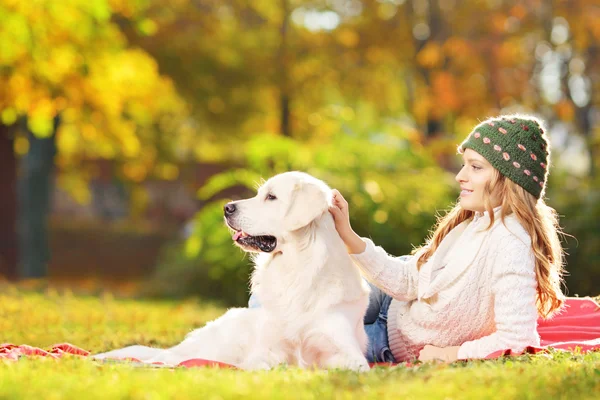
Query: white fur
(312, 297)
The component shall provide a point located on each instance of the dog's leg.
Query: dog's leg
(266, 353)
(268, 350)
(227, 339)
(333, 340)
(142, 353)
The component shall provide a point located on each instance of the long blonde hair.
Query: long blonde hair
(539, 220)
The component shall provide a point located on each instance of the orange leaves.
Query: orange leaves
(442, 97)
(446, 93)
(519, 11)
(431, 56)
(565, 110)
(461, 53)
(511, 52)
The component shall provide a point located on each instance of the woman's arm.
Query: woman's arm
(515, 311)
(396, 276)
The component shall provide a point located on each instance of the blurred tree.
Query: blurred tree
(70, 59)
(8, 206)
(34, 188)
(430, 68)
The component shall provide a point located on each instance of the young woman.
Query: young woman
(492, 266)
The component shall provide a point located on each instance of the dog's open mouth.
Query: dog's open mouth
(265, 243)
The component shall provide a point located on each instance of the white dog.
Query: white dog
(312, 297)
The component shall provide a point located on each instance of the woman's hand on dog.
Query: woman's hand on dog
(341, 216)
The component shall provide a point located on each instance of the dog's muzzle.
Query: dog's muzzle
(263, 243)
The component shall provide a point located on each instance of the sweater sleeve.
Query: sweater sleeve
(396, 276)
(515, 312)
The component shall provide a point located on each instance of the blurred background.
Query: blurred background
(125, 125)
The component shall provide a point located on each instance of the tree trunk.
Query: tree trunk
(8, 205)
(35, 191)
(284, 66)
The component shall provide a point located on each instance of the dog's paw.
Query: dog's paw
(358, 364)
(255, 364)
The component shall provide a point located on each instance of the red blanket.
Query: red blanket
(578, 326)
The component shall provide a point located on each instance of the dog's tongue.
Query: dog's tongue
(237, 235)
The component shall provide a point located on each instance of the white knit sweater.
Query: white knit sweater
(482, 298)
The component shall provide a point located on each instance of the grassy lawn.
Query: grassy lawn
(99, 323)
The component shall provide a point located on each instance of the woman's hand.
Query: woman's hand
(341, 216)
(446, 354)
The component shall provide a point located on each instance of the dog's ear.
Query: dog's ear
(309, 201)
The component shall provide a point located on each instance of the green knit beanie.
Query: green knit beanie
(516, 146)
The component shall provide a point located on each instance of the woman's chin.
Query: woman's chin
(466, 205)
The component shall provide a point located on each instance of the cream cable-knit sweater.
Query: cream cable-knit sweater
(483, 298)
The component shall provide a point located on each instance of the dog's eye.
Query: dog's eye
(271, 197)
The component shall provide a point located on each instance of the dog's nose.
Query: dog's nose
(229, 209)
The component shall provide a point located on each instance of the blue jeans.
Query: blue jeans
(375, 320)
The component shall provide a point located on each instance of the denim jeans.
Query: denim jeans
(375, 320)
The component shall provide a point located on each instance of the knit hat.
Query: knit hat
(516, 146)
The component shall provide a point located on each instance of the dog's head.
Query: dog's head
(284, 204)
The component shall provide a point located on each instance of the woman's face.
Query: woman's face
(473, 178)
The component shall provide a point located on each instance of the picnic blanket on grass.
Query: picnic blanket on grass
(576, 328)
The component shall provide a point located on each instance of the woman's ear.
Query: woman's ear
(308, 202)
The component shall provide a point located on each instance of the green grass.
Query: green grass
(99, 323)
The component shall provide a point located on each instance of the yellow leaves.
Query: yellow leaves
(167, 171)
(115, 78)
(381, 216)
(347, 37)
(147, 27)
(431, 55)
(374, 190)
(377, 55)
(208, 150)
(129, 141)
(76, 185)
(386, 11)
(193, 246)
(8, 116)
(67, 140)
(421, 105)
(14, 37)
(266, 10)
(62, 61)
(135, 171)
(126, 8)
(41, 118)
